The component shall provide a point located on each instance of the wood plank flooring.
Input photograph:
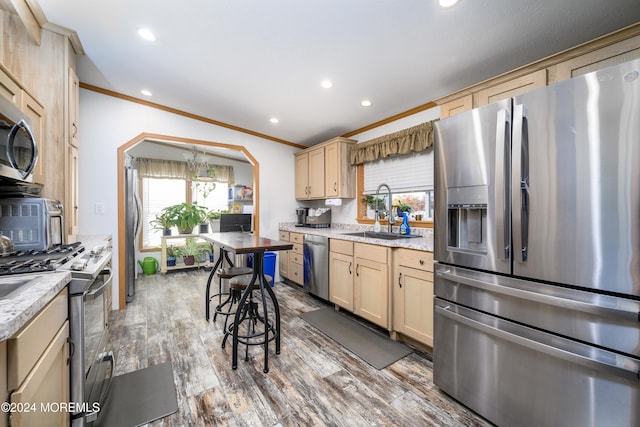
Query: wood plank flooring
(313, 382)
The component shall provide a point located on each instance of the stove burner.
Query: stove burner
(37, 261)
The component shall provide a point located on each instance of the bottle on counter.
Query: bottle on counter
(404, 227)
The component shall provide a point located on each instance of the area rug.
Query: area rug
(373, 347)
(139, 397)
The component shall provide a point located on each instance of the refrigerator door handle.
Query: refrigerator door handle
(614, 310)
(620, 371)
(502, 176)
(520, 182)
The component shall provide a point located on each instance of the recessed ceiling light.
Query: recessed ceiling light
(146, 92)
(366, 103)
(146, 34)
(326, 84)
(447, 3)
(274, 120)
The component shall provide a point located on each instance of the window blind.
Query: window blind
(404, 174)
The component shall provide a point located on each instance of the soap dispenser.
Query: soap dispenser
(404, 227)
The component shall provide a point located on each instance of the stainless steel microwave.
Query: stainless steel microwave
(18, 148)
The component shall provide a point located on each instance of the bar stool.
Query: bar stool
(250, 315)
(222, 273)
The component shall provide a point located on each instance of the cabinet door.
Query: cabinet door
(512, 87)
(74, 101)
(10, 90)
(459, 105)
(332, 170)
(71, 190)
(413, 304)
(371, 291)
(284, 263)
(47, 383)
(316, 173)
(33, 110)
(341, 280)
(302, 176)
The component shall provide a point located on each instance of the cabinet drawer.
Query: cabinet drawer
(297, 248)
(284, 236)
(341, 246)
(415, 259)
(296, 237)
(296, 258)
(296, 273)
(371, 252)
(28, 344)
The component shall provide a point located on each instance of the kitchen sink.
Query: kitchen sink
(380, 235)
(11, 287)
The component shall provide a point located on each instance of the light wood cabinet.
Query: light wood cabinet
(456, 106)
(512, 87)
(9, 89)
(283, 256)
(37, 365)
(73, 107)
(341, 266)
(371, 283)
(323, 171)
(296, 259)
(71, 192)
(340, 175)
(309, 172)
(412, 283)
(34, 111)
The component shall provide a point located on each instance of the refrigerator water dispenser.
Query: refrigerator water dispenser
(467, 219)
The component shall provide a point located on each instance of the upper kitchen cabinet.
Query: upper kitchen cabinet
(323, 171)
(512, 87)
(35, 112)
(456, 106)
(9, 89)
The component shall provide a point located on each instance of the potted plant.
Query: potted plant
(373, 203)
(401, 208)
(190, 251)
(186, 215)
(163, 221)
(214, 220)
(171, 256)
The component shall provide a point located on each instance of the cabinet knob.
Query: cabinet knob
(421, 262)
(400, 280)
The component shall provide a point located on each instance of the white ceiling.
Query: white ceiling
(242, 62)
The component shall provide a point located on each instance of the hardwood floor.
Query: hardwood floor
(313, 382)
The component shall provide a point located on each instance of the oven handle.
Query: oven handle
(104, 392)
(99, 291)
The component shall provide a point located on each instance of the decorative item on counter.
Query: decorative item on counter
(404, 227)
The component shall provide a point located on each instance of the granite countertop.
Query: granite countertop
(337, 231)
(17, 309)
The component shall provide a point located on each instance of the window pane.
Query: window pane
(212, 195)
(157, 194)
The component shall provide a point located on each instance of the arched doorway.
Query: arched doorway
(121, 191)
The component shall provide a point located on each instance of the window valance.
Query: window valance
(414, 139)
(154, 168)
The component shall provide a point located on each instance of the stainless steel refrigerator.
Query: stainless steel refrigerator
(133, 222)
(537, 242)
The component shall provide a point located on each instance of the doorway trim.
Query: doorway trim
(121, 193)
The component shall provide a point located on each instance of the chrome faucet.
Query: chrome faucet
(390, 219)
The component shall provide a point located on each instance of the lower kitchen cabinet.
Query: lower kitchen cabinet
(296, 259)
(283, 256)
(413, 294)
(37, 367)
(371, 283)
(341, 273)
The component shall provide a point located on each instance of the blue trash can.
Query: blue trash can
(269, 265)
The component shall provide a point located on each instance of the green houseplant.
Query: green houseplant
(373, 203)
(171, 256)
(163, 221)
(190, 251)
(186, 215)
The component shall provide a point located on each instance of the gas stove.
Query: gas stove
(37, 261)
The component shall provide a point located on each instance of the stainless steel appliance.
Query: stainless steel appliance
(92, 363)
(18, 148)
(133, 221)
(537, 242)
(316, 265)
(319, 218)
(301, 215)
(32, 223)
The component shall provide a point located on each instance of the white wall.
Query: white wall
(107, 123)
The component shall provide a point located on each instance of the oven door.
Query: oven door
(98, 362)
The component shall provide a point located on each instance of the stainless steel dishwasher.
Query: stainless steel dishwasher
(316, 265)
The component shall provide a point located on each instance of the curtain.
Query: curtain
(153, 168)
(414, 139)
